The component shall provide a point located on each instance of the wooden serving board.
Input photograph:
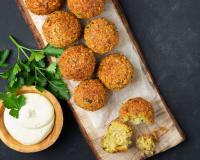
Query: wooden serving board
(93, 124)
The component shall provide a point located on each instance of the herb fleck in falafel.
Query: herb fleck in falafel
(117, 137)
(77, 63)
(86, 8)
(90, 95)
(115, 71)
(43, 7)
(136, 111)
(101, 35)
(61, 29)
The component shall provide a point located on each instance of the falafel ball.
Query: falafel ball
(115, 71)
(136, 111)
(43, 7)
(84, 9)
(90, 95)
(101, 35)
(117, 137)
(77, 63)
(61, 29)
(147, 143)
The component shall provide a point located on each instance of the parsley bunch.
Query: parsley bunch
(34, 70)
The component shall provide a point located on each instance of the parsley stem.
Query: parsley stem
(18, 58)
(23, 47)
(45, 76)
(31, 50)
(18, 46)
(24, 53)
(38, 69)
(41, 68)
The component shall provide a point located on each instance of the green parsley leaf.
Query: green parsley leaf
(41, 63)
(21, 101)
(29, 79)
(39, 88)
(58, 88)
(52, 67)
(57, 75)
(12, 102)
(52, 51)
(17, 85)
(4, 75)
(25, 66)
(14, 113)
(41, 81)
(37, 56)
(54, 76)
(12, 78)
(3, 57)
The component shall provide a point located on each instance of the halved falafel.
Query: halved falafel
(77, 63)
(115, 71)
(90, 95)
(136, 111)
(118, 137)
(147, 143)
(86, 8)
(43, 7)
(61, 29)
(101, 35)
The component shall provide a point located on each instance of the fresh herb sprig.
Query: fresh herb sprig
(3, 58)
(33, 70)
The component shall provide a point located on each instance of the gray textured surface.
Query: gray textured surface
(169, 34)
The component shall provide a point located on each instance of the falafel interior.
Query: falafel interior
(136, 111)
(136, 119)
(147, 143)
(118, 137)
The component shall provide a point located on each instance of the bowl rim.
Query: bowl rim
(9, 141)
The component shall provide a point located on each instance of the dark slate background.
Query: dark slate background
(169, 34)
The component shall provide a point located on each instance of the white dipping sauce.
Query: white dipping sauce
(35, 122)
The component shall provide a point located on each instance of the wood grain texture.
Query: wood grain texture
(164, 118)
(47, 142)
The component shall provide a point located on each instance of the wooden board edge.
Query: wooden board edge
(29, 22)
(139, 50)
(40, 44)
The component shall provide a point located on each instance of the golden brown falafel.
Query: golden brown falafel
(86, 8)
(90, 95)
(136, 111)
(61, 29)
(77, 63)
(118, 137)
(101, 35)
(147, 143)
(115, 71)
(43, 7)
